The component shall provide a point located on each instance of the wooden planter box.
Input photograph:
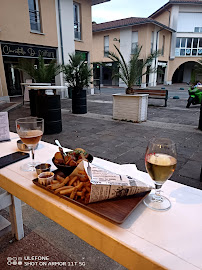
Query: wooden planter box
(130, 107)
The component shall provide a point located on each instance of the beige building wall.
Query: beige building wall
(15, 27)
(167, 44)
(144, 38)
(163, 17)
(98, 44)
(15, 23)
(174, 64)
(85, 44)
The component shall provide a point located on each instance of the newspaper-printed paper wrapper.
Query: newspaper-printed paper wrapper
(108, 184)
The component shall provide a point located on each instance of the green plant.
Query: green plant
(41, 73)
(132, 71)
(198, 69)
(77, 72)
(193, 77)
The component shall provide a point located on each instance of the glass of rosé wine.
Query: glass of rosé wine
(160, 163)
(30, 131)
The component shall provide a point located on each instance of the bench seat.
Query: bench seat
(155, 94)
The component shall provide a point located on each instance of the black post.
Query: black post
(200, 118)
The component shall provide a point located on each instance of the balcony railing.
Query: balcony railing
(35, 23)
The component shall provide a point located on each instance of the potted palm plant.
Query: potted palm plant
(40, 73)
(42, 103)
(131, 107)
(77, 74)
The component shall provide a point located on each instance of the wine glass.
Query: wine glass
(160, 163)
(30, 131)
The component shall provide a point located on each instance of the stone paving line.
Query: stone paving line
(148, 123)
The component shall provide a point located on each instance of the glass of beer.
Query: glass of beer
(30, 131)
(160, 163)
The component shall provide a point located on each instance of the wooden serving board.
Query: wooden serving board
(115, 210)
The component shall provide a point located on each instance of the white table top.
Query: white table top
(36, 84)
(34, 87)
(146, 240)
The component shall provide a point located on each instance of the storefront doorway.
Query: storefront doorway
(13, 77)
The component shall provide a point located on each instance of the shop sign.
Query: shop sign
(21, 50)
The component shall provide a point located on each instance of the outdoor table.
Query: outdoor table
(48, 107)
(42, 88)
(145, 240)
(24, 85)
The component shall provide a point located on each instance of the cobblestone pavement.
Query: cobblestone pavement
(125, 142)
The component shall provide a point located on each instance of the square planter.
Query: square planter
(130, 107)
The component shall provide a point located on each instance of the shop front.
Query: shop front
(11, 54)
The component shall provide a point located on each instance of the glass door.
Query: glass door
(13, 79)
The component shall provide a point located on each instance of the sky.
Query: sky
(120, 9)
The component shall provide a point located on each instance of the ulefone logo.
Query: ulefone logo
(14, 260)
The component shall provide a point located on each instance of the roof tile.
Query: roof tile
(124, 23)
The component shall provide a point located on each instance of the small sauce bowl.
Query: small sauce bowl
(45, 178)
(43, 167)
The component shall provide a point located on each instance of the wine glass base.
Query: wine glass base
(159, 205)
(29, 167)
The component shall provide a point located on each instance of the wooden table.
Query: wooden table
(146, 240)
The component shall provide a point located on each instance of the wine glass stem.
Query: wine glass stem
(157, 196)
(32, 154)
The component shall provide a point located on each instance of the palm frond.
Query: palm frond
(77, 73)
(42, 73)
(130, 72)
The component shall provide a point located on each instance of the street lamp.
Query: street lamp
(115, 39)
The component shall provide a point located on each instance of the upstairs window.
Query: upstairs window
(77, 24)
(106, 45)
(34, 16)
(134, 42)
(163, 46)
(198, 29)
(188, 47)
(152, 41)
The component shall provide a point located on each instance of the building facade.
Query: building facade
(26, 31)
(185, 17)
(52, 28)
(126, 34)
(175, 28)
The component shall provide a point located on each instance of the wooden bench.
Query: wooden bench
(155, 94)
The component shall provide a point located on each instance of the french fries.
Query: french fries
(76, 187)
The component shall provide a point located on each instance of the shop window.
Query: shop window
(77, 23)
(34, 15)
(106, 45)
